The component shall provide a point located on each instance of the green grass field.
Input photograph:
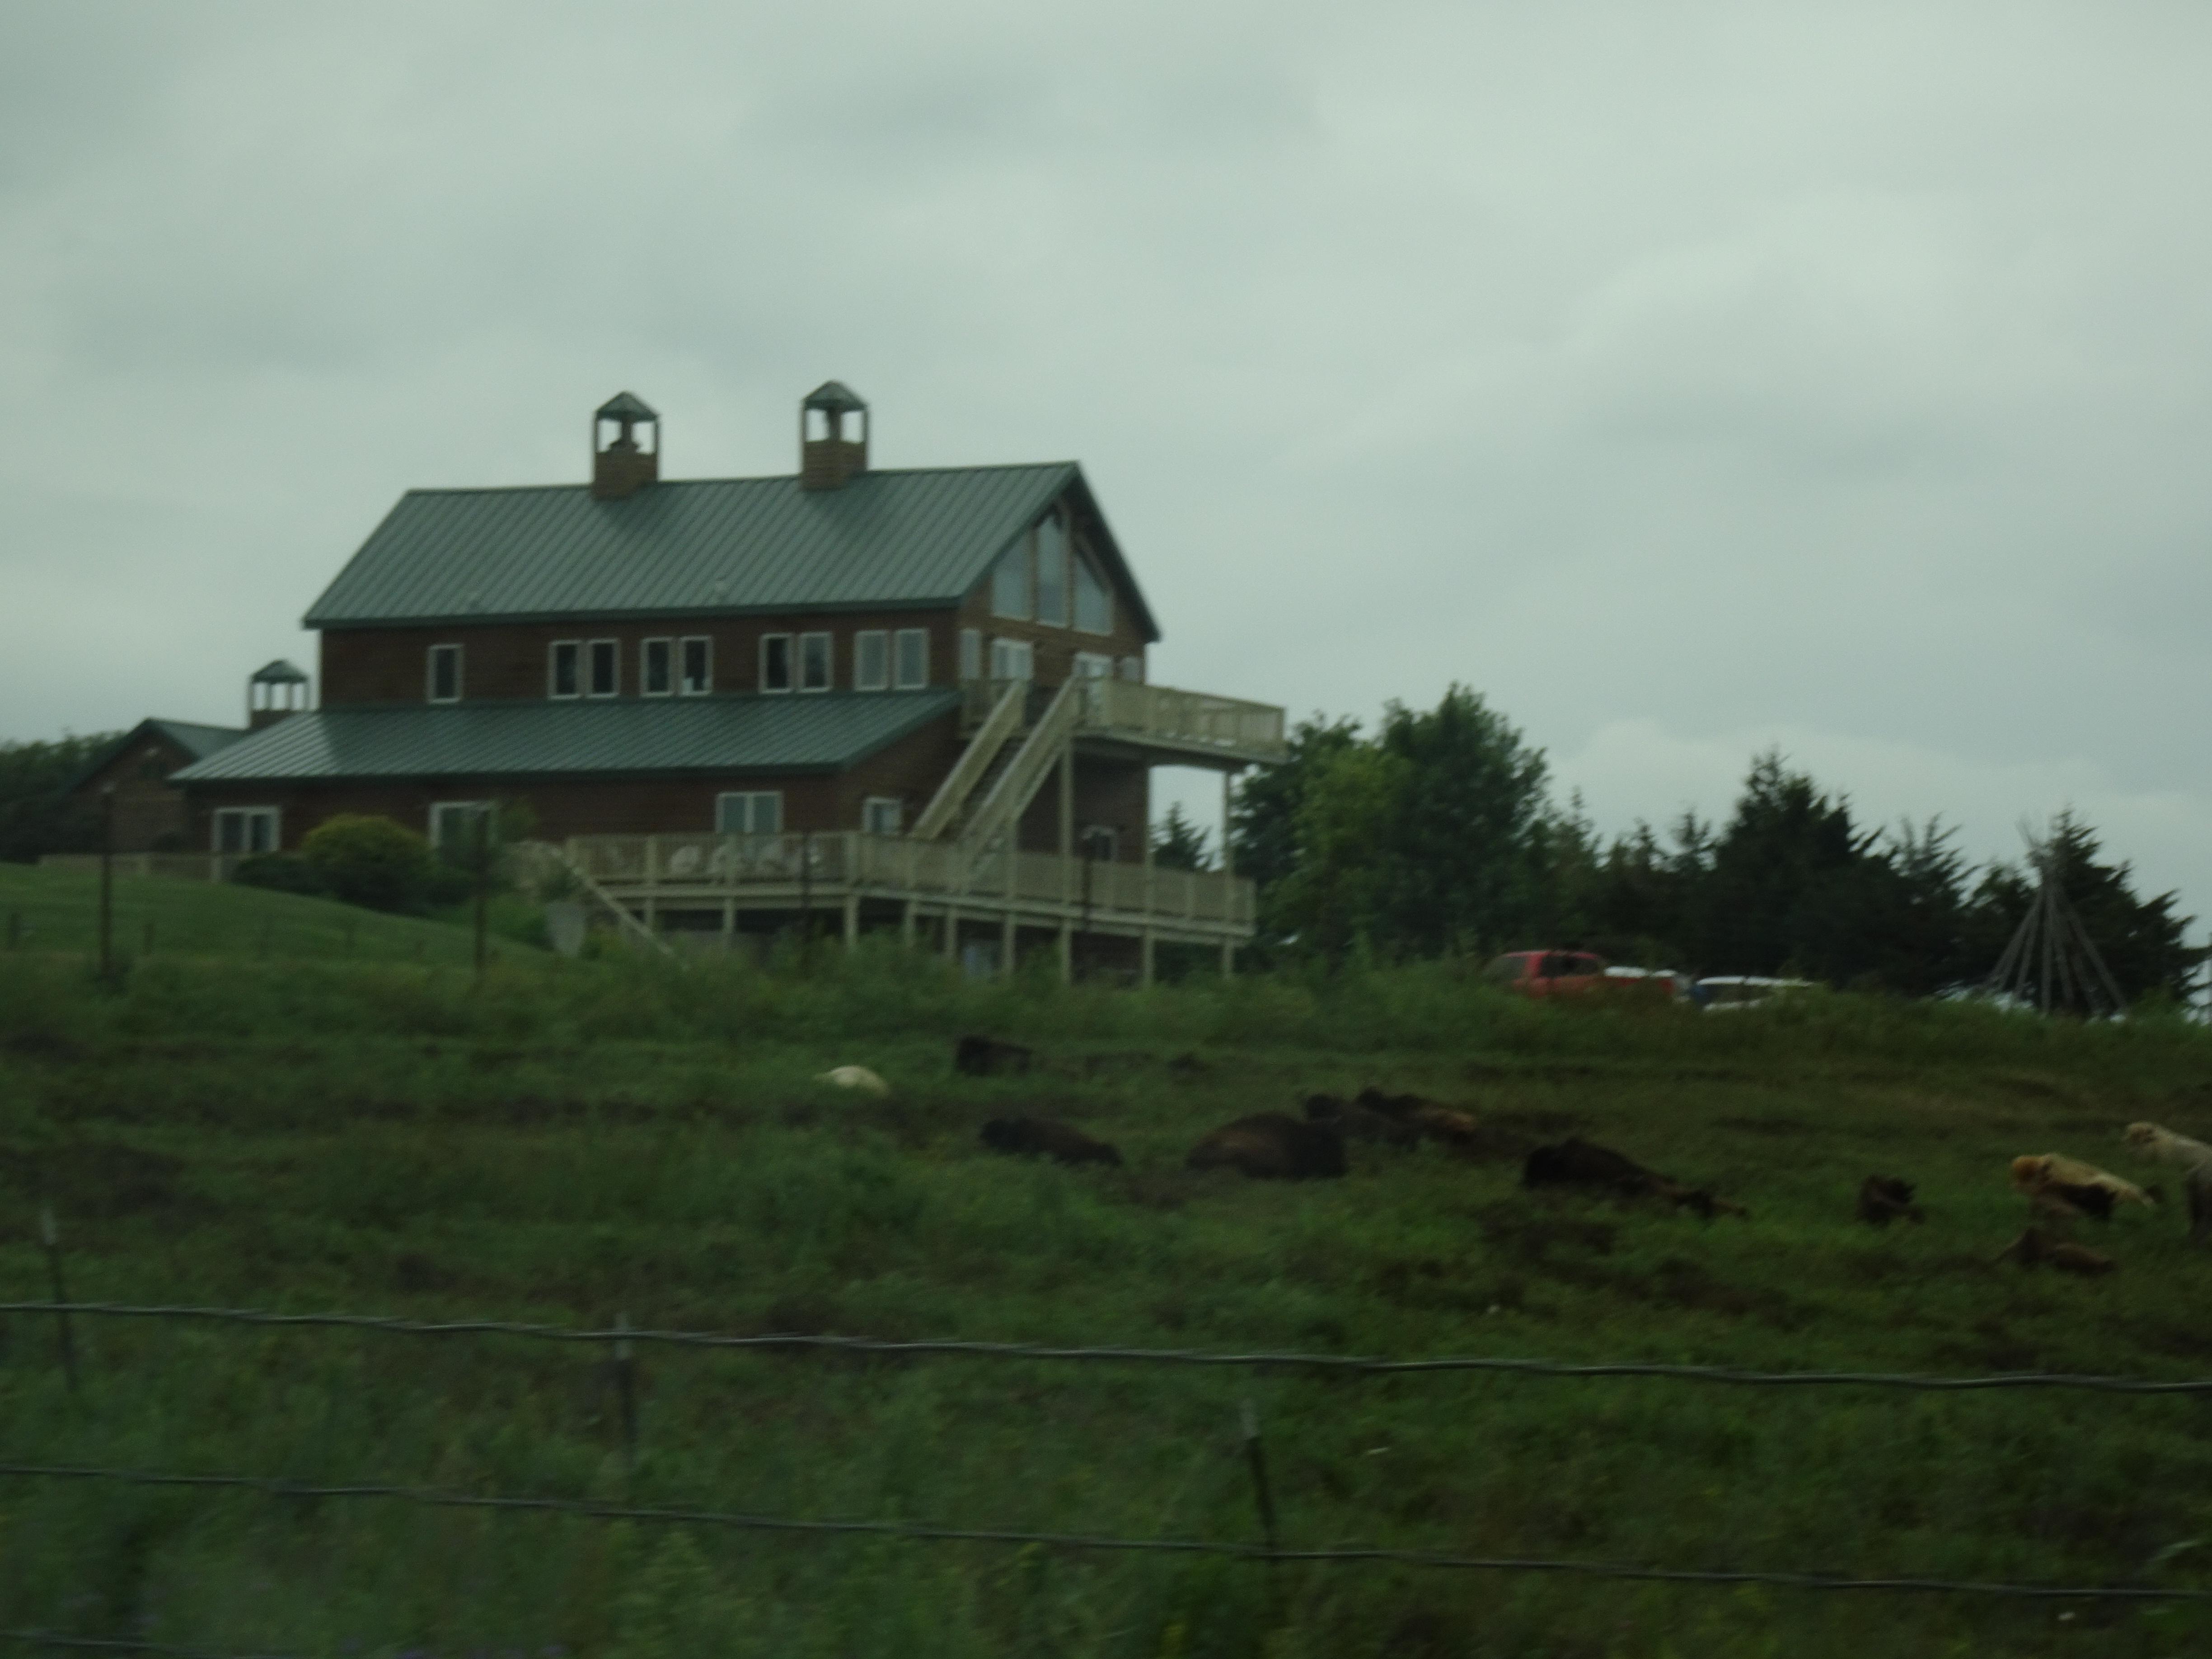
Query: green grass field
(570, 1140)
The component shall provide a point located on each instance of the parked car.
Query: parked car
(1547, 973)
(1725, 991)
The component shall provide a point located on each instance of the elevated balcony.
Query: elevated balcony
(1156, 723)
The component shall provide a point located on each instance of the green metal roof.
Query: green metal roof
(198, 741)
(702, 547)
(828, 731)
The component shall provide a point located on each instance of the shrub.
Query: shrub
(371, 861)
(283, 873)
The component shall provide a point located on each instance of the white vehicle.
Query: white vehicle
(1728, 992)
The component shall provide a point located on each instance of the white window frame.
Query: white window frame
(749, 812)
(1006, 654)
(1080, 564)
(1094, 666)
(1133, 669)
(879, 641)
(614, 669)
(971, 653)
(706, 644)
(1016, 557)
(644, 655)
(248, 816)
(790, 663)
(919, 638)
(430, 673)
(1052, 531)
(439, 809)
(883, 815)
(829, 644)
(575, 648)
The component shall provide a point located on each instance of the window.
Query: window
(910, 661)
(1013, 659)
(1094, 600)
(656, 668)
(776, 662)
(444, 673)
(751, 812)
(814, 662)
(1133, 669)
(882, 815)
(971, 653)
(454, 826)
(1010, 580)
(872, 667)
(1094, 665)
(698, 677)
(560, 674)
(245, 830)
(606, 668)
(1052, 571)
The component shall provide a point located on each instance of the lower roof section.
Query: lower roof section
(824, 732)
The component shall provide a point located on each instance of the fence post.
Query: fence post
(626, 1390)
(107, 885)
(1256, 1454)
(50, 1236)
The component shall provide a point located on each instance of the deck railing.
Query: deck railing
(707, 867)
(1155, 714)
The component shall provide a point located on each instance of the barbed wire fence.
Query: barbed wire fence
(623, 1341)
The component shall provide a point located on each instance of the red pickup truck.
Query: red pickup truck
(1577, 973)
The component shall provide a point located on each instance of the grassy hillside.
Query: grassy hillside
(574, 1140)
(57, 912)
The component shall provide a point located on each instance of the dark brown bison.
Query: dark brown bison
(1271, 1145)
(1884, 1198)
(1427, 1120)
(1576, 1163)
(982, 1056)
(1355, 1122)
(1041, 1136)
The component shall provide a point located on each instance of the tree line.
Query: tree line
(1438, 834)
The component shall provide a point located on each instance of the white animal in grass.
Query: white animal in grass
(856, 1077)
(2194, 1159)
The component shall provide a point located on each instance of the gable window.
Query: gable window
(776, 662)
(1094, 600)
(606, 669)
(444, 673)
(872, 665)
(1010, 580)
(814, 662)
(1013, 659)
(882, 815)
(1052, 571)
(971, 653)
(245, 830)
(656, 668)
(562, 678)
(910, 661)
(454, 826)
(698, 676)
(750, 813)
(1094, 665)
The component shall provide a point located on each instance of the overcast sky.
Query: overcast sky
(1685, 378)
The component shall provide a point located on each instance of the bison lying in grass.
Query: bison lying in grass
(1884, 1198)
(1576, 1163)
(1043, 1137)
(1271, 1147)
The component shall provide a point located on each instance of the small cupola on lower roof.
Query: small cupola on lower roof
(273, 692)
(830, 451)
(620, 467)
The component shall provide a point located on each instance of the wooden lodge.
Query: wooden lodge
(846, 698)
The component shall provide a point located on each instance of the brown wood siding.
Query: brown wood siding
(1116, 796)
(512, 660)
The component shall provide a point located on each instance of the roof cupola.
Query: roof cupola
(831, 451)
(273, 691)
(620, 467)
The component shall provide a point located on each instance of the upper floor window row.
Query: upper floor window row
(882, 659)
(1044, 577)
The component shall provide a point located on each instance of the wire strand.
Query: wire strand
(1353, 1365)
(441, 1500)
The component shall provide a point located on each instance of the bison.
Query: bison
(1356, 1122)
(1884, 1198)
(982, 1056)
(1043, 1137)
(1271, 1147)
(1576, 1163)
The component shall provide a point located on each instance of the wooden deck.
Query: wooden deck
(1186, 728)
(937, 893)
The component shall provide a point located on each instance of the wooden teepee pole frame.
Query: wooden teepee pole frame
(2052, 951)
